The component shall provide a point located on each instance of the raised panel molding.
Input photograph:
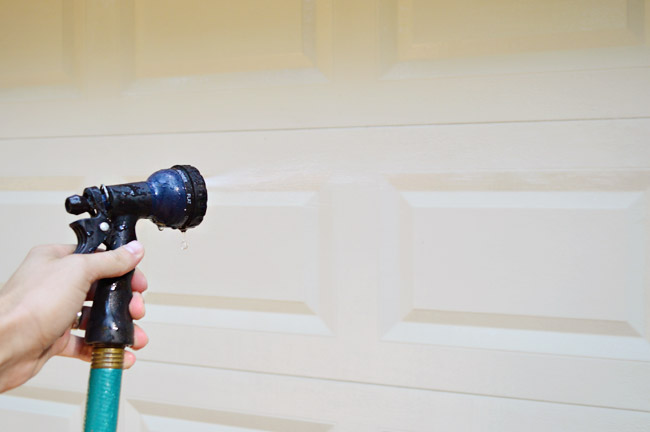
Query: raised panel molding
(558, 272)
(432, 38)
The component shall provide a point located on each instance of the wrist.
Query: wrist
(13, 347)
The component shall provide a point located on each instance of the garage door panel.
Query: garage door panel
(436, 30)
(275, 233)
(192, 47)
(435, 39)
(455, 274)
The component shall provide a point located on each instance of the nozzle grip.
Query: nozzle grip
(110, 322)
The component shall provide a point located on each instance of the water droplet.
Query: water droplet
(184, 244)
(160, 228)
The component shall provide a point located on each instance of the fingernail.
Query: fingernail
(135, 247)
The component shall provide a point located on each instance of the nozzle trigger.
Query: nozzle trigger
(89, 234)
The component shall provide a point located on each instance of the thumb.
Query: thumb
(114, 263)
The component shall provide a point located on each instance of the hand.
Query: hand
(39, 303)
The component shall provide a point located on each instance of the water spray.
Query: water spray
(171, 198)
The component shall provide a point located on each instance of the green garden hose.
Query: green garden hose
(104, 389)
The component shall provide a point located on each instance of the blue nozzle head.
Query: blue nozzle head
(179, 197)
(176, 198)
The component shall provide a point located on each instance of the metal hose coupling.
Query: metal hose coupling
(107, 358)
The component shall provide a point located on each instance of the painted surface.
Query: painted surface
(421, 216)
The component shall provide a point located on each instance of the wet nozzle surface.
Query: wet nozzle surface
(179, 197)
(174, 198)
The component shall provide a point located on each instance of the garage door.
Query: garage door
(423, 215)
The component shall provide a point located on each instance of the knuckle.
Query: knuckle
(37, 250)
(121, 258)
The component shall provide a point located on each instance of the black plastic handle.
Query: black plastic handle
(110, 322)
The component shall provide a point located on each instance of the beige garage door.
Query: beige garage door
(423, 215)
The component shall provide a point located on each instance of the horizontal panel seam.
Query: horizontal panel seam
(366, 383)
(322, 128)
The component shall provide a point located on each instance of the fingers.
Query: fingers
(103, 265)
(136, 306)
(140, 338)
(140, 341)
(136, 309)
(112, 263)
(129, 360)
(139, 281)
(77, 348)
(138, 284)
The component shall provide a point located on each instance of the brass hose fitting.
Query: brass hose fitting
(107, 358)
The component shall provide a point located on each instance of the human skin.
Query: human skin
(40, 301)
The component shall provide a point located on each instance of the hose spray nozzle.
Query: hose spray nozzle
(174, 198)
